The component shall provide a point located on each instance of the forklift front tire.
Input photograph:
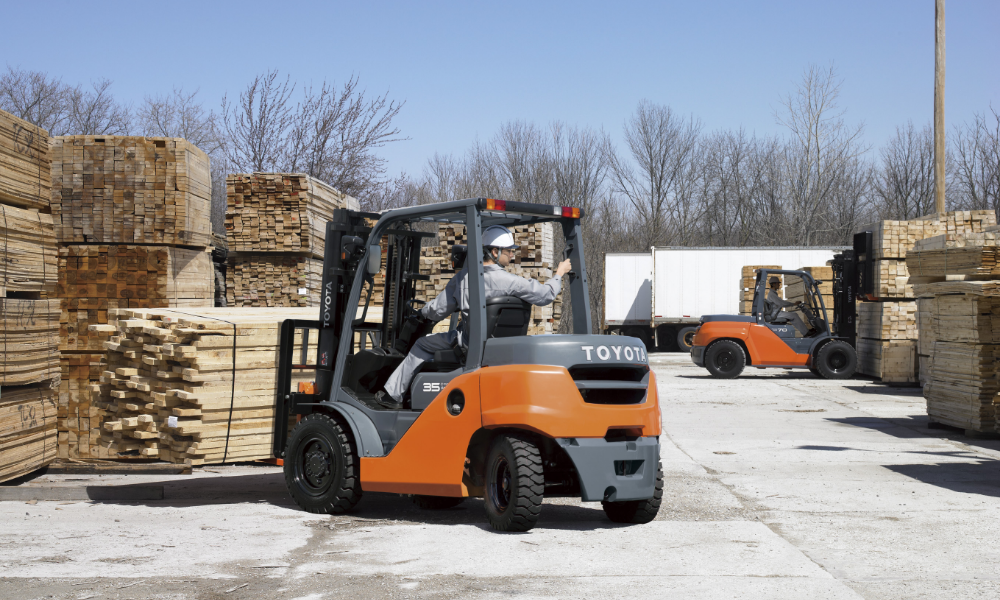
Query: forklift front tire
(725, 359)
(637, 511)
(321, 466)
(836, 360)
(515, 483)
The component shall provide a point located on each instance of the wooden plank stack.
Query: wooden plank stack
(887, 341)
(888, 320)
(276, 233)
(133, 222)
(748, 279)
(194, 388)
(29, 316)
(130, 190)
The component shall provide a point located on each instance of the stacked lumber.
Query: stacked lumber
(748, 279)
(273, 280)
(27, 429)
(96, 279)
(891, 280)
(893, 361)
(893, 239)
(972, 254)
(25, 164)
(28, 260)
(280, 212)
(79, 421)
(130, 190)
(29, 341)
(194, 388)
(888, 320)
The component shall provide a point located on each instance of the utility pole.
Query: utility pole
(939, 105)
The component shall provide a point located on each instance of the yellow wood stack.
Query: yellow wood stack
(892, 361)
(888, 320)
(29, 316)
(193, 388)
(130, 190)
(27, 429)
(748, 279)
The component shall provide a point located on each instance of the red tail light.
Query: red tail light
(493, 204)
(571, 212)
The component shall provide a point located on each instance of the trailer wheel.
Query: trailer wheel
(321, 466)
(637, 511)
(725, 359)
(685, 338)
(436, 502)
(515, 483)
(836, 360)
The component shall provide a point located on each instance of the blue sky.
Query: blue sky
(465, 68)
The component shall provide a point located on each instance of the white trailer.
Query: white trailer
(679, 285)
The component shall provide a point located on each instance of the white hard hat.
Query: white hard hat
(498, 236)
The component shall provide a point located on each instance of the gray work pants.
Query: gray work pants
(422, 352)
(796, 321)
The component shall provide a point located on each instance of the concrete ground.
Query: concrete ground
(778, 485)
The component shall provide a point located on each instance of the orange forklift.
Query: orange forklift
(512, 418)
(726, 344)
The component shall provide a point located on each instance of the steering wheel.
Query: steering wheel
(410, 310)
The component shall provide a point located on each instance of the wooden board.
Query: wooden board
(280, 212)
(94, 279)
(130, 190)
(29, 341)
(891, 280)
(180, 386)
(893, 239)
(973, 254)
(887, 320)
(79, 422)
(27, 429)
(28, 261)
(891, 361)
(263, 280)
(25, 164)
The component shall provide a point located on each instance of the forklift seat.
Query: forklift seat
(507, 316)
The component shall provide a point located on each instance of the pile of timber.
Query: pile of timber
(887, 341)
(130, 190)
(79, 420)
(973, 254)
(96, 279)
(29, 316)
(275, 235)
(748, 279)
(27, 429)
(888, 320)
(192, 387)
(25, 163)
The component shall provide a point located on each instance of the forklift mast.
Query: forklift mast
(845, 283)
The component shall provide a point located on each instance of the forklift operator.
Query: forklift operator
(777, 301)
(498, 250)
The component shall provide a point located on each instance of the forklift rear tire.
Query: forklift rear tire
(685, 338)
(321, 466)
(515, 483)
(836, 360)
(436, 502)
(637, 511)
(725, 359)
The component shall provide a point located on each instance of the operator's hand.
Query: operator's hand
(564, 267)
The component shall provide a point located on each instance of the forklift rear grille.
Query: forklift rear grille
(608, 373)
(617, 383)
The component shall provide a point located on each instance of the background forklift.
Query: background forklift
(512, 419)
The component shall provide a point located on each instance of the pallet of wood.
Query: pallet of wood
(962, 385)
(194, 388)
(29, 341)
(25, 164)
(888, 320)
(27, 429)
(28, 259)
(94, 279)
(263, 280)
(891, 280)
(280, 212)
(973, 254)
(893, 239)
(891, 361)
(130, 190)
(79, 423)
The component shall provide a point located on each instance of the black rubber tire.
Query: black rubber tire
(836, 360)
(515, 483)
(685, 338)
(637, 511)
(725, 359)
(321, 466)
(436, 502)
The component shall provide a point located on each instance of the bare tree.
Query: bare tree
(256, 129)
(660, 151)
(180, 114)
(904, 187)
(36, 98)
(95, 111)
(977, 164)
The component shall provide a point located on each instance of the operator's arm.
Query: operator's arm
(444, 304)
(776, 300)
(537, 293)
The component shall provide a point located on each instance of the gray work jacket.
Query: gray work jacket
(498, 283)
